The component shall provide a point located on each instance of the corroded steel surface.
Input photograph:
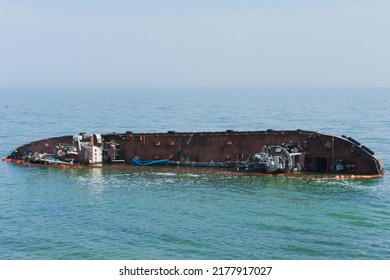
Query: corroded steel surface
(322, 153)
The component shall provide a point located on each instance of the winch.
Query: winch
(274, 159)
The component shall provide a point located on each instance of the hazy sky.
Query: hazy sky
(137, 43)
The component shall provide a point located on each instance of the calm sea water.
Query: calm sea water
(49, 213)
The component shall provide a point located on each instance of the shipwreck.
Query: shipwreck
(262, 153)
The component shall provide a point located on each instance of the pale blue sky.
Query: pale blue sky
(226, 43)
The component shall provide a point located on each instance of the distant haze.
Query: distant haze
(222, 43)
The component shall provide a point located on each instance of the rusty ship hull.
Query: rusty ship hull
(263, 153)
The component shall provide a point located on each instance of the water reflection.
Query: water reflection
(93, 179)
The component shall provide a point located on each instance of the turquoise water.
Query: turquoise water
(49, 213)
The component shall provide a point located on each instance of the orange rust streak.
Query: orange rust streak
(197, 170)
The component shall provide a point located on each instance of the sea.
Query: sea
(98, 214)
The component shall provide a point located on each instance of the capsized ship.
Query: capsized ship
(265, 153)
